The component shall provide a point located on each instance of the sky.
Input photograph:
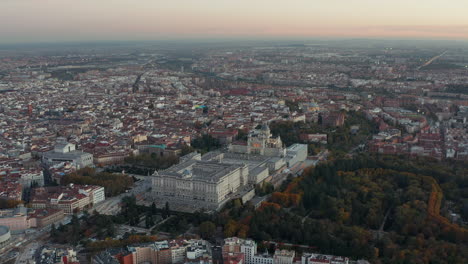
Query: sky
(133, 20)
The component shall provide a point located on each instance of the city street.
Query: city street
(26, 255)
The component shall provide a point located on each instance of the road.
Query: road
(27, 253)
(427, 63)
(129, 229)
(32, 239)
(295, 170)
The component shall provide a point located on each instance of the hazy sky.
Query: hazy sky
(84, 20)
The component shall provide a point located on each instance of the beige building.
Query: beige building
(22, 218)
(43, 217)
(157, 252)
(70, 199)
(16, 219)
(110, 158)
(260, 142)
(284, 256)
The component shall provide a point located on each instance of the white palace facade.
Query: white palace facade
(211, 180)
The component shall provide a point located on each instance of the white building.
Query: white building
(198, 249)
(66, 152)
(284, 256)
(249, 248)
(207, 184)
(262, 259)
(178, 253)
(5, 236)
(296, 153)
(31, 177)
(312, 258)
(94, 192)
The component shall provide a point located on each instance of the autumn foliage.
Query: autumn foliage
(285, 199)
(433, 210)
(6, 204)
(114, 243)
(264, 205)
(113, 183)
(385, 210)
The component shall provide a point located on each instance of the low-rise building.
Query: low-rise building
(233, 258)
(70, 198)
(16, 219)
(284, 256)
(314, 138)
(198, 249)
(5, 236)
(66, 152)
(21, 218)
(296, 153)
(40, 218)
(58, 256)
(312, 258)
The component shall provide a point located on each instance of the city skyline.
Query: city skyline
(62, 21)
(233, 131)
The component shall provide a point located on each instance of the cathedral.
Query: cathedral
(260, 142)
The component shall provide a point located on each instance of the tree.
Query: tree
(75, 229)
(207, 229)
(242, 135)
(230, 229)
(6, 204)
(53, 232)
(153, 209)
(111, 229)
(149, 222)
(151, 161)
(346, 201)
(167, 210)
(206, 143)
(186, 150)
(237, 203)
(113, 183)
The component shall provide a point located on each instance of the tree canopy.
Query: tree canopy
(205, 143)
(383, 209)
(113, 183)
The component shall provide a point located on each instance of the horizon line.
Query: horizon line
(230, 38)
